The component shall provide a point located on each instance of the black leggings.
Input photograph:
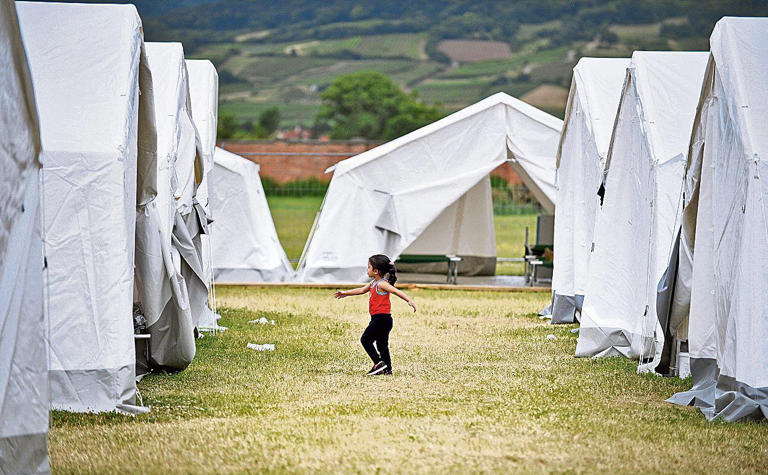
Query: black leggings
(378, 331)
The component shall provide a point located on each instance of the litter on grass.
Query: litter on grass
(262, 321)
(264, 347)
(575, 330)
(551, 337)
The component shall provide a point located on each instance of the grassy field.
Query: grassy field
(294, 216)
(477, 388)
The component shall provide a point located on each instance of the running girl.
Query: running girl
(379, 266)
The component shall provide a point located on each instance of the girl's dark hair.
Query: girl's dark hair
(384, 266)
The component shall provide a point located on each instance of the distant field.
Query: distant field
(634, 32)
(323, 76)
(290, 113)
(408, 45)
(547, 97)
(257, 74)
(294, 216)
(480, 68)
(474, 50)
(453, 91)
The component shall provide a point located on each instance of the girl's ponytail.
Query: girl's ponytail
(384, 266)
(392, 273)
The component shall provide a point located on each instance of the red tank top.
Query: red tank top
(379, 300)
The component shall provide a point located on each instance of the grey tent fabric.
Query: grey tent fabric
(23, 324)
(566, 308)
(160, 286)
(203, 93)
(664, 296)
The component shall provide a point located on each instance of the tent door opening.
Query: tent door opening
(464, 229)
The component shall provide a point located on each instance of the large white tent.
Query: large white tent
(160, 287)
(589, 117)
(428, 192)
(204, 93)
(23, 326)
(245, 243)
(635, 225)
(87, 64)
(721, 275)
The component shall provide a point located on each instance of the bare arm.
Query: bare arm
(387, 287)
(340, 294)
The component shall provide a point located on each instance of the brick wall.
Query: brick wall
(285, 168)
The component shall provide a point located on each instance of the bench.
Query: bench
(535, 258)
(450, 259)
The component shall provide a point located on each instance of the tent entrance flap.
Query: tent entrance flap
(529, 182)
(466, 229)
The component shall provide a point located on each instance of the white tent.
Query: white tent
(87, 64)
(428, 192)
(589, 116)
(245, 243)
(160, 287)
(23, 327)
(635, 226)
(204, 94)
(203, 90)
(718, 302)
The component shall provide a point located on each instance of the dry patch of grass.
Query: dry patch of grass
(547, 96)
(474, 50)
(477, 388)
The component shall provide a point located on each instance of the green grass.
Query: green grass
(293, 218)
(510, 240)
(477, 388)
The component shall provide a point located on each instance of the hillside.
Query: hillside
(452, 53)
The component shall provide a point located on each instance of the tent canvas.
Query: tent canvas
(87, 64)
(245, 243)
(203, 91)
(718, 302)
(23, 326)
(385, 199)
(160, 286)
(635, 226)
(589, 117)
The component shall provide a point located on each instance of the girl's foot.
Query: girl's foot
(377, 368)
(386, 372)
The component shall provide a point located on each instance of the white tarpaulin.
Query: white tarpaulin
(98, 141)
(589, 116)
(23, 327)
(635, 226)
(719, 301)
(245, 243)
(383, 200)
(160, 287)
(204, 94)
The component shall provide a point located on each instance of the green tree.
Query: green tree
(269, 120)
(370, 105)
(227, 126)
